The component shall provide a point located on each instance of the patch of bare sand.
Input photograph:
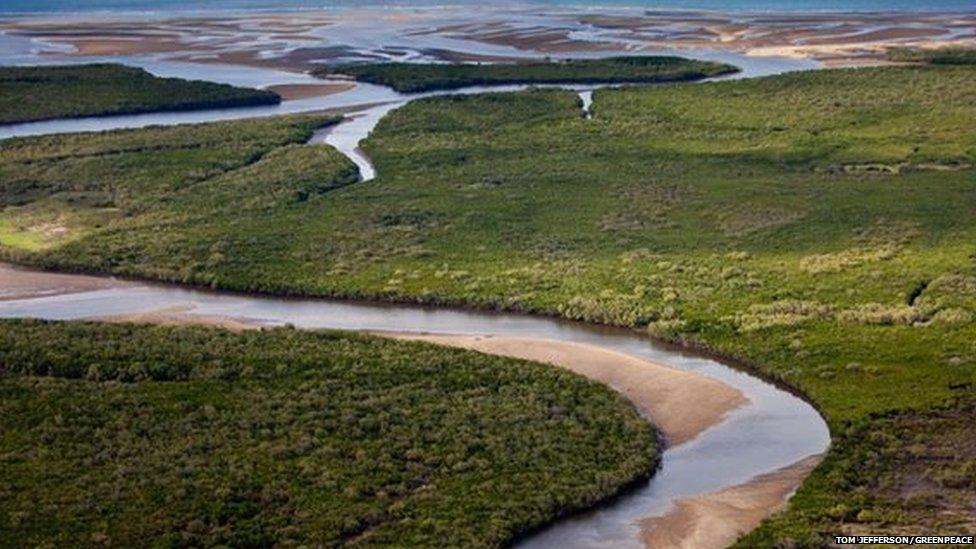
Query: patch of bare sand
(16, 283)
(180, 316)
(717, 519)
(119, 46)
(542, 40)
(290, 92)
(681, 404)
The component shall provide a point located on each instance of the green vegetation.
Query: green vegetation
(938, 56)
(416, 77)
(902, 472)
(129, 436)
(818, 226)
(184, 183)
(39, 93)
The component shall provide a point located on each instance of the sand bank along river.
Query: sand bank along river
(737, 446)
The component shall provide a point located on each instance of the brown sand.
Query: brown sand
(16, 283)
(716, 520)
(180, 316)
(681, 404)
(135, 46)
(542, 40)
(290, 92)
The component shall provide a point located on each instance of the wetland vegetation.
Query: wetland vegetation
(934, 56)
(420, 77)
(39, 93)
(816, 226)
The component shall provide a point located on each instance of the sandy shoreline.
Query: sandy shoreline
(717, 519)
(180, 316)
(289, 92)
(21, 284)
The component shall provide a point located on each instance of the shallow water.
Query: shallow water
(170, 6)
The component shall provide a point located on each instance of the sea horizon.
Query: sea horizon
(148, 7)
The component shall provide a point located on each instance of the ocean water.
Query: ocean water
(69, 6)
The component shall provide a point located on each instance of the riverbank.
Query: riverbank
(292, 92)
(607, 359)
(680, 404)
(20, 283)
(718, 519)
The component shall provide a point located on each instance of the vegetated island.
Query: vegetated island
(29, 94)
(421, 77)
(136, 435)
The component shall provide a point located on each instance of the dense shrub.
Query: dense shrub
(39, 93)
(417, 77)
(131, 435)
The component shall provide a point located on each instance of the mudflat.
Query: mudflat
(20, 284)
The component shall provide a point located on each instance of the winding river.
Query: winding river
(773, 430)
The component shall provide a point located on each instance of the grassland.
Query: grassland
(420, 77)
(167, 178)
(816, 226)
(130, 436)
(70, 91)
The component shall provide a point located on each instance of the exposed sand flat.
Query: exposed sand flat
(681, 404)
(22, 284)
(302, 42)
(120, 46)
(179, 316)
(289, 92)
(716, 520)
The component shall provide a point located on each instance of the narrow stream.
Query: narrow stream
(586, 97)
(346, 136)
(773, 430)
